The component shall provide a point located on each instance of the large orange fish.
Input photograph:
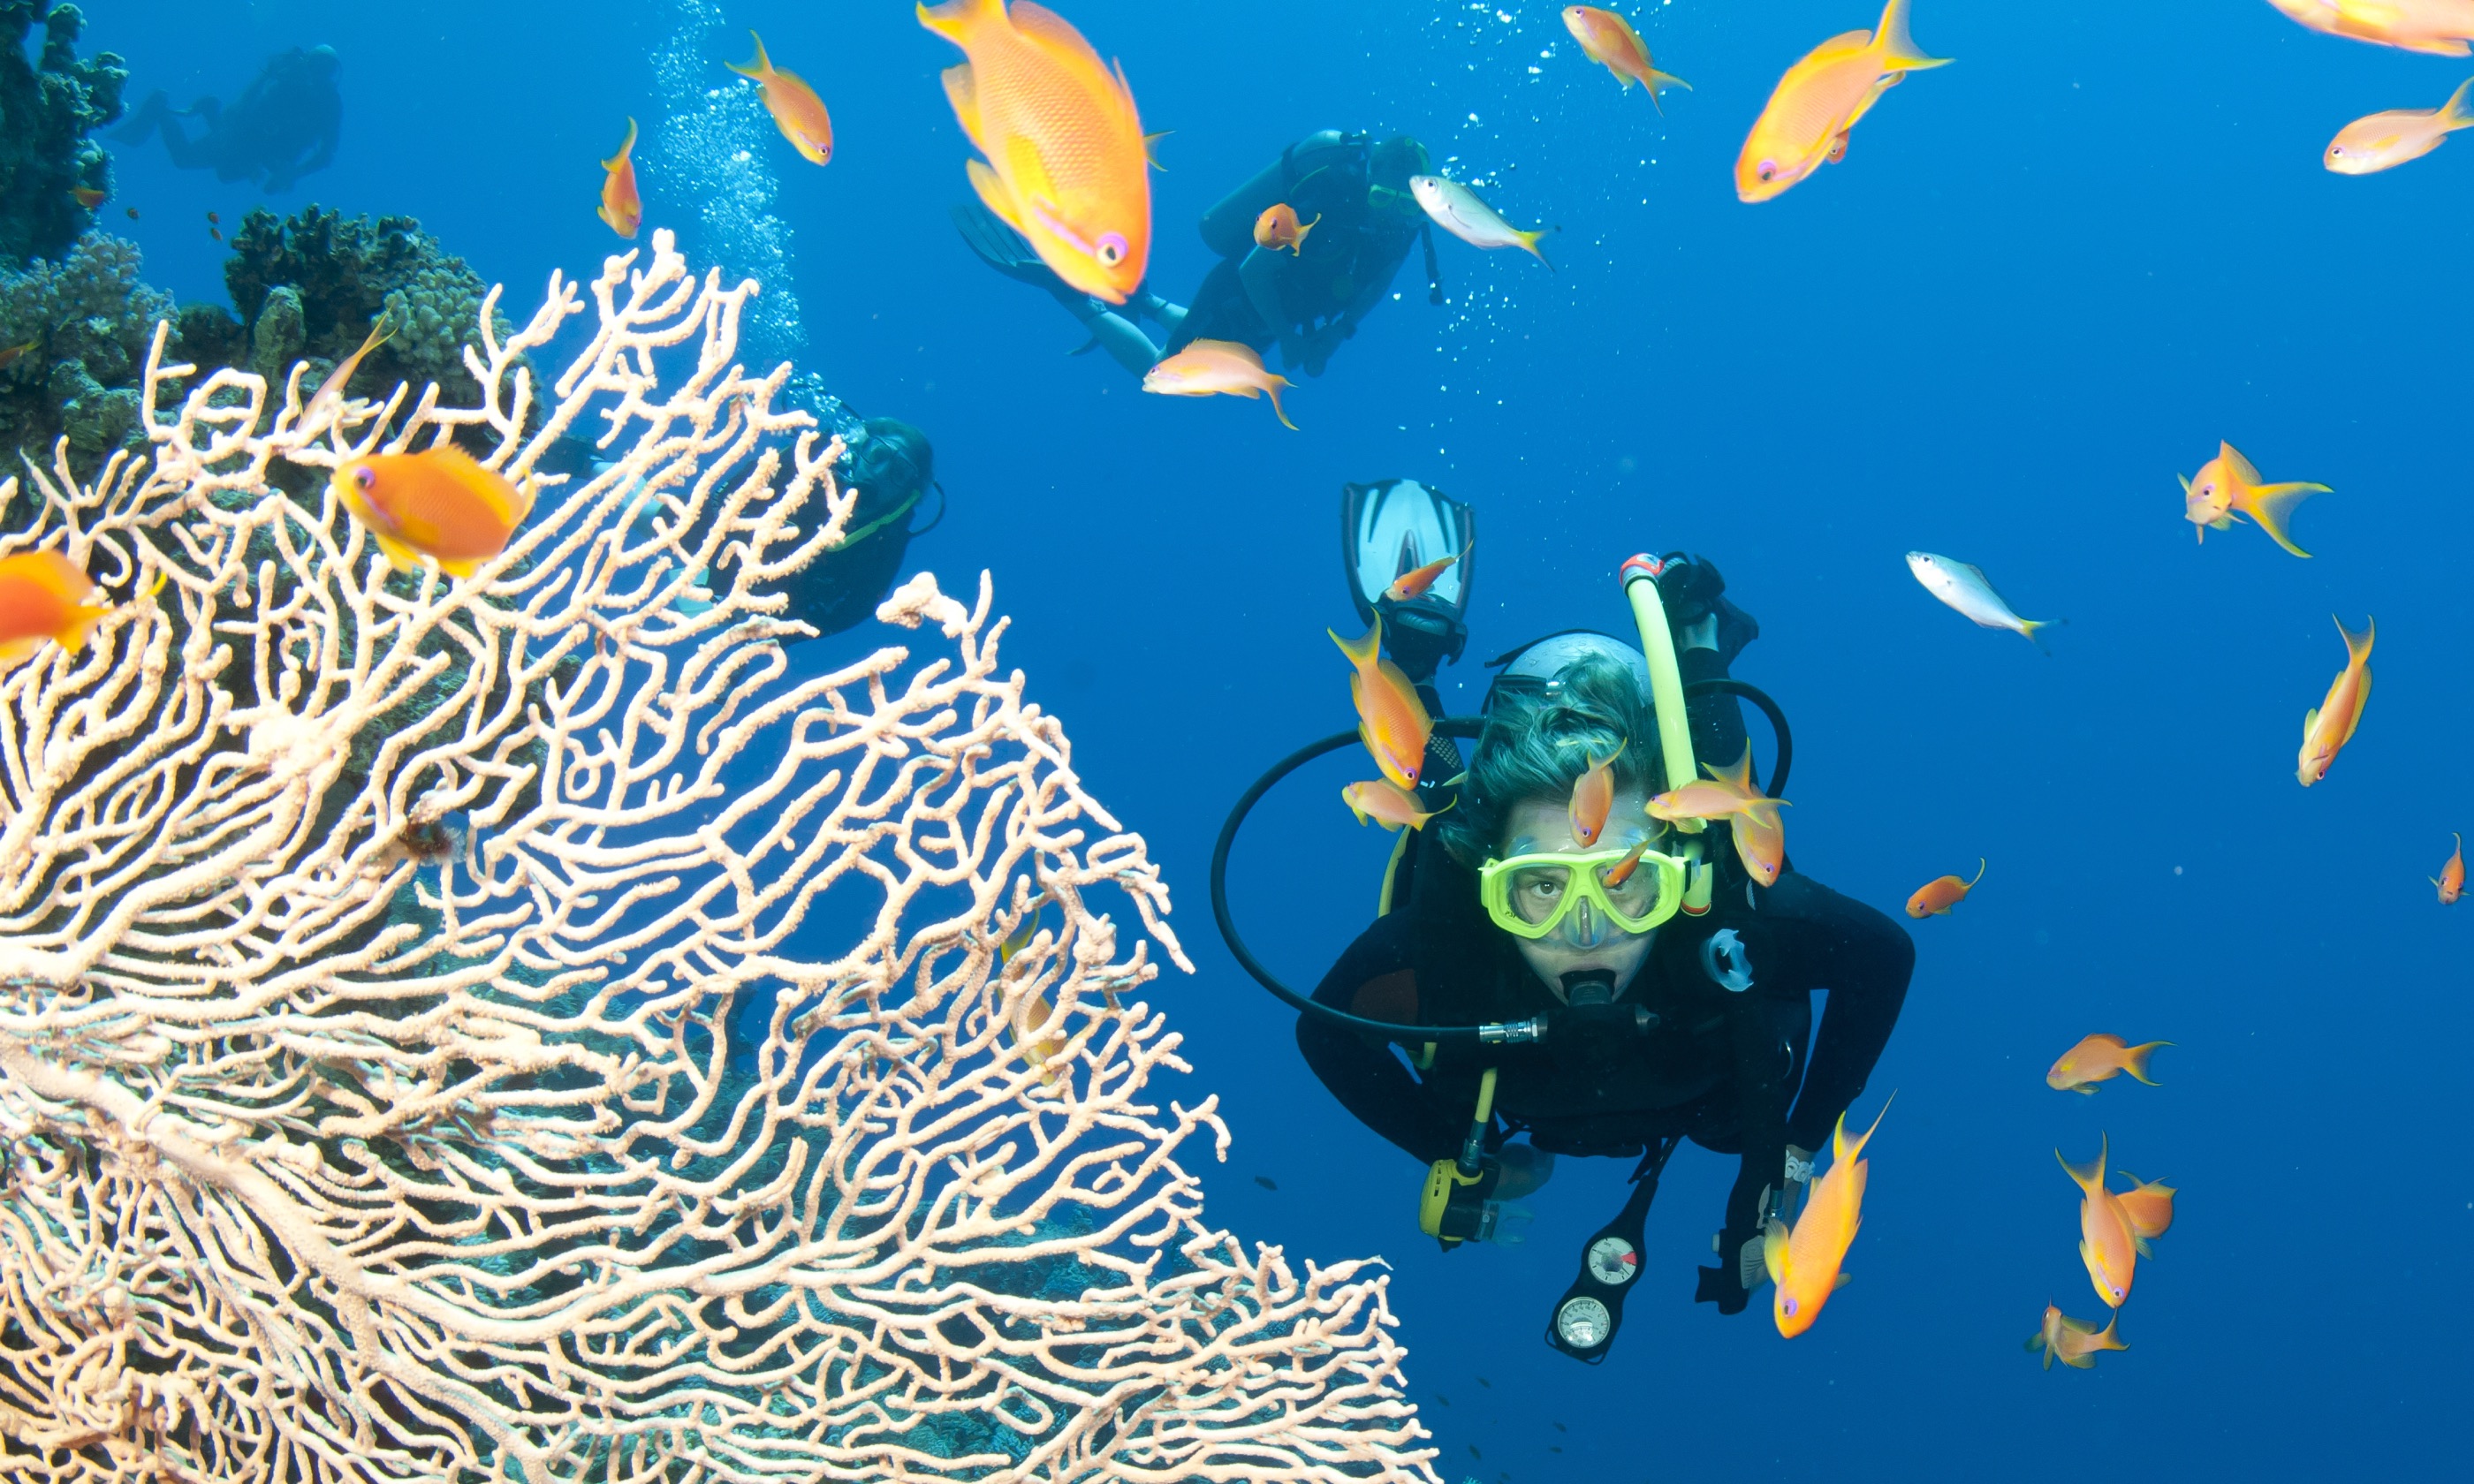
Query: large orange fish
(1806, 1262)
(1806, 121)
(1391, 720)
(1608, 40)
(44, 599)
(2441, 28)
(437, 503)
(1066, 164)
(2451, 879)
(2330, 726)
(2100, 1057)
(1386, 804)
(1936, 897)
(797, 111)
(620, 207)
(1593, 794)
(1718, 796)
(1218, 367)
(2107, 1244)
(2074, 1342)
(2227, 488)
(2148, 1206)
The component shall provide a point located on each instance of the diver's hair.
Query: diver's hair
(1539, 739)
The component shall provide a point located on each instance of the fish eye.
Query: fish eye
(1768, 168)
(1111, 250)
(366, 477)
(1788, 1306)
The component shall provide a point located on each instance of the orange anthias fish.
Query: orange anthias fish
(1593, 794)
(1806, 123)
(1391, 720)
(44, 599)
(1806, 1262)
(2451, 879)
(2383, 141)
(2107, 1244)
(2100, 1057)
(620, 207)
(2441, 28)
(1415, 583)
(1277, 227)
(797, 111)
(1621, 870)
(2148, 1204)
(1762, 847)
(1065, 166)
(2071, 1341)
(11, 355)
(2330, 726)
(1608, 40)
(437, 503)
(1718, 796)
(1210, 368)
(86, 196)
(2227, 488)
(1936, 897)
(1386, 804)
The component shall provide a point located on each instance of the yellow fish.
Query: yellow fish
(1731, 792)
(2074, 1342)
(1386, 804)
(2382, 141)
(797, 111)
(2227, 488)
(1805, 1263)
(1608, 40)
(2331, 724)
(1066, 164)
(2109, 1244)
(1806, 121)
(1210, 368)
(437, 503)
(1391, 720)
(44, 599)
(2441, 28)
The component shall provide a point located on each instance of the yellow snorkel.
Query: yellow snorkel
(1640, 577)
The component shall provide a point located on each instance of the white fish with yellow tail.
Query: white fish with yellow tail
(1970, 591)
(1457, 210)
(1213, 367)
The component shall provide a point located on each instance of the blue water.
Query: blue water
(2045, 278)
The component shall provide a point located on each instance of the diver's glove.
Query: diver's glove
(1739, 1271)
(1694, 594)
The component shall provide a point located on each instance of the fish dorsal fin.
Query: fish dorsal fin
(2310, 723)
(962, 91)
(1847, 43)
(2239, 467)
(1053, 35)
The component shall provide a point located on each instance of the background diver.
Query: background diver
(1352, 193)
(284, 126)
(1617, 1021)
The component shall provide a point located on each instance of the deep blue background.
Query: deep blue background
(2045, 280)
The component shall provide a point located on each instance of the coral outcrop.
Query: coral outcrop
(46, 112)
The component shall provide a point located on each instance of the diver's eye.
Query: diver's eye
(366, 477)
(1768, 169)
(1110, 251)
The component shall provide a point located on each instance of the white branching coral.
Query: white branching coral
(517, 1029)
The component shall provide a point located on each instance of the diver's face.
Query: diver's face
(1546, 824)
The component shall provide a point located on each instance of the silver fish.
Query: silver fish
(1966, 589)
(1457, 210)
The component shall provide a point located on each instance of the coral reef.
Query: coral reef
(89, 318)
(46, 110)
(647, 1064)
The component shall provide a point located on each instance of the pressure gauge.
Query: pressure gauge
(1612, 1262)
(1583, 1323)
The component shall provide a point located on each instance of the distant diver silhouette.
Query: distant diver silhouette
(284, 127)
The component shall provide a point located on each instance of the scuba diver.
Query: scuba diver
(1547, 999)
(1348, 190)
(285, 124)
(891, 465)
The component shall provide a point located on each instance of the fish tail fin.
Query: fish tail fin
(1657, 83)
(1530, 239)
(2358, 646)
(2029, 626)
(1364, 651)
(1842, 1148)
(2134, 1060)
(618, 161)
(760, 68)
(1898, 50)
(1980, 874)
(2109, 1337)
(2090, 1176)
(2270, 505)
(1272, 383)
(955, 19)
(2454, 114)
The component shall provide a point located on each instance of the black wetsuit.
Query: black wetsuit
(1722, 1068)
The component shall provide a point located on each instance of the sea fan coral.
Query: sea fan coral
(643, 1062)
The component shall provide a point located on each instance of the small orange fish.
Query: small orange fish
(1621, 870)
(1413, 584)
(213, 220)
(620, 207)
(1762, 847)
(133, 213)
(1806, 1262)
(11, 355)
(437, 503)
(2330, 725)
(2451, 879)
(44, 599)
(216, 232)
(1211, 368)
(2100, 1057)
(1824, 95)
(1386, 804)
(2384, 140)
(2107, 1244)
(1277, 227)
(86, 196)
(2227, 488)
(2148, 1204)
(1717, 797)
(2440, 28)
(1936, 897)
(1609, 39)
(1593, 794)
(1066, 165)
(2071, 1341)
(797, 111)
(1391, 720)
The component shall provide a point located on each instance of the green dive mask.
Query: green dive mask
(1532, 896)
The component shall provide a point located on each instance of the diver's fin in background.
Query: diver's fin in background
(1001, 248)
(1084, 348)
